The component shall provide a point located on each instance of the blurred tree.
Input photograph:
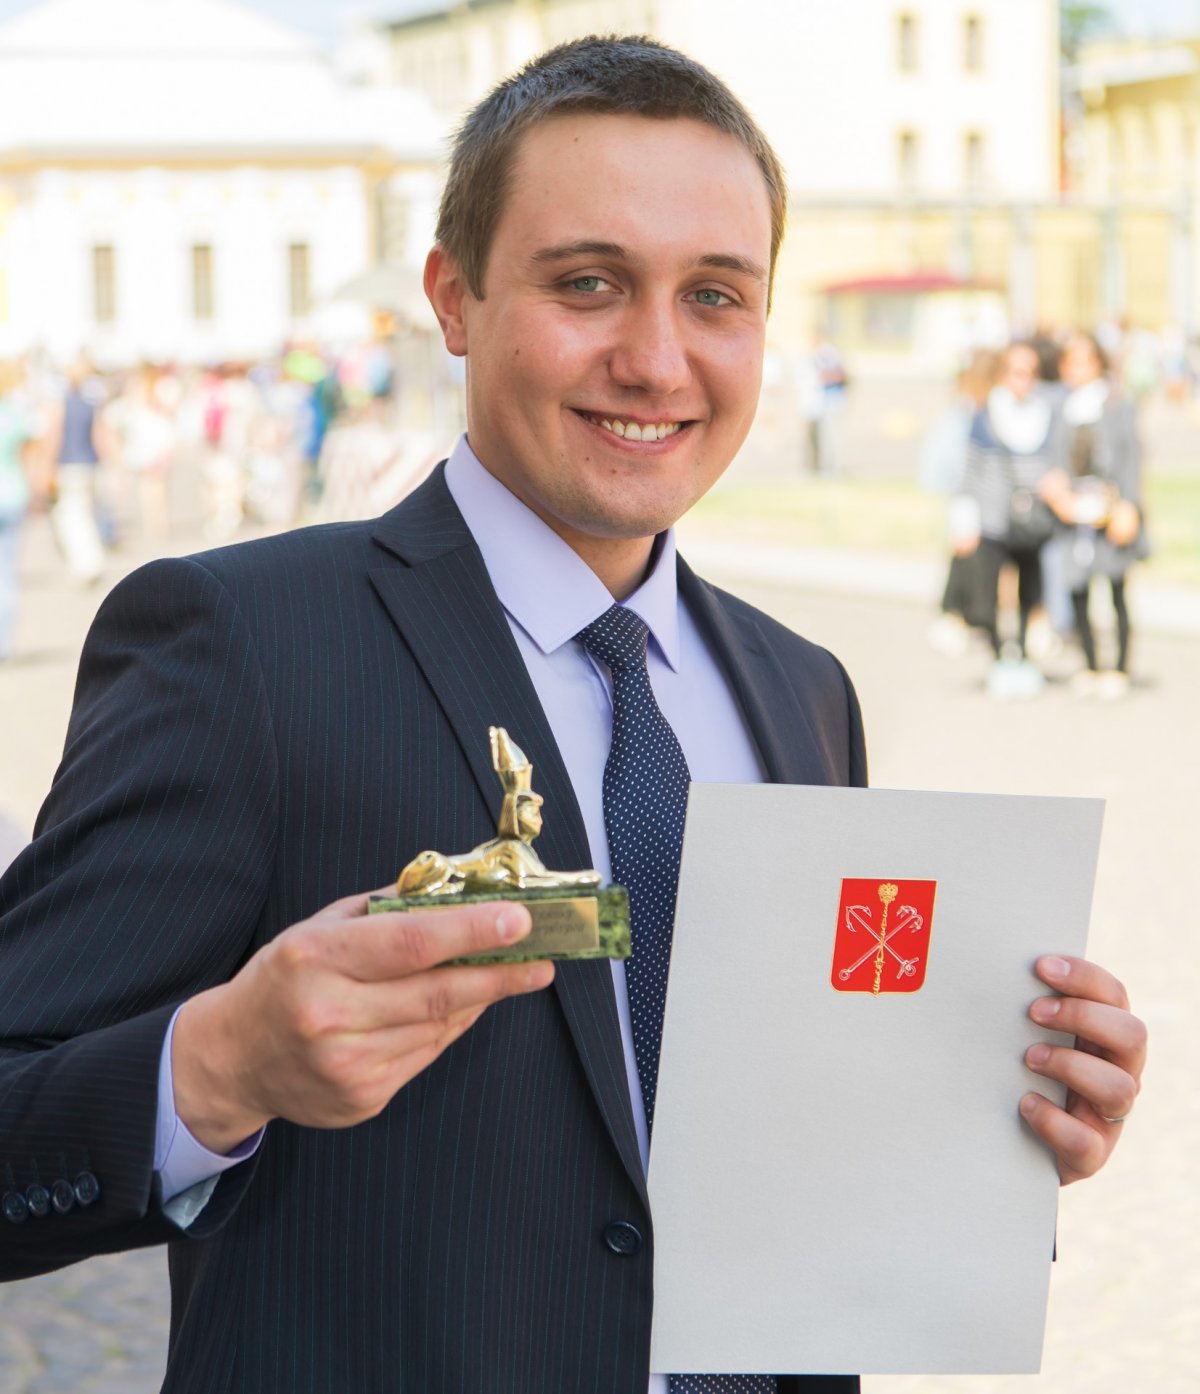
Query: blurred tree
(1078, 21)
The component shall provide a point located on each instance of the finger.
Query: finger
(351, 907)
(1108, 1031)
(1109, 1090)
(1080, 1148)
(437, 995)
(395, 944)
(357, 1074)
(1076, 977)
(398, 1045)
(405, 1051)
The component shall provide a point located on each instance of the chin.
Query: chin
(626, 518)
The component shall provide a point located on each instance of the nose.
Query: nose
(651, 352)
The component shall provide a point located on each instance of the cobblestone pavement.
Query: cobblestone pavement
(1125, 1301)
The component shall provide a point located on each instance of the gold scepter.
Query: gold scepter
(887, 893)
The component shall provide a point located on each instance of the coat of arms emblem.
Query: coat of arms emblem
(882, 939)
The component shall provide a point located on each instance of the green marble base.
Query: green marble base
(566, 924)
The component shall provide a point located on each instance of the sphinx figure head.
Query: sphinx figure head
(520, 813)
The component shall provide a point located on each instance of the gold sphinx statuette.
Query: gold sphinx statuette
(573, 916)
(508, 860)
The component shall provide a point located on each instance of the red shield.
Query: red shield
(882, 938)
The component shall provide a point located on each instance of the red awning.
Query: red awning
(916, 283)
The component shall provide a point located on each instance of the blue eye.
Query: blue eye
(710, 297)
(586, 283)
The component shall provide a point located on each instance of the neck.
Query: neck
(621, 563)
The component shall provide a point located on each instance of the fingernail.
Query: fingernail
(1055, 967)
(1028, 1105)
(540, 974)
(510, 925)
(1046, 1008)
(1038, 1055)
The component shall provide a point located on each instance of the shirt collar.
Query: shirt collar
(522, 554)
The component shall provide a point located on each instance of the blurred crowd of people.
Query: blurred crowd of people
(1038, 456)
(110, 456)
(1041, 460)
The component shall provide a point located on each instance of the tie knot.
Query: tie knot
(618, 638)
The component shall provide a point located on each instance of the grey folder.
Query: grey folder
(841, 1181)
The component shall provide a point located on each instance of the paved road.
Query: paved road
(1125, 1305)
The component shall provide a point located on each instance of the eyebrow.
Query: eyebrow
(719, 261)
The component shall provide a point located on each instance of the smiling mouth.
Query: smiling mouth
(634, 430)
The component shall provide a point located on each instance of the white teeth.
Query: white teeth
(630, 430)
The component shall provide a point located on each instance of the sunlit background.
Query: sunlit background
(200, 185)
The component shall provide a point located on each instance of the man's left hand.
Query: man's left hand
(1102, 1071)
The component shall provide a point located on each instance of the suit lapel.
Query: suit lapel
(790, 751)
(443, 603)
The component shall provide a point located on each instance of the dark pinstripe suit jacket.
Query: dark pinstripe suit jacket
(259, 731)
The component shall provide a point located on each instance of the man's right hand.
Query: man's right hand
(326, 1022)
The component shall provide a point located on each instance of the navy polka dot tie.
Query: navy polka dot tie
(645, 798)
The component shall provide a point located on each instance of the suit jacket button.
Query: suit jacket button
(62, 1196)
(38, 1199)
(87, 1188)
(623, 1238)
(15, 1206)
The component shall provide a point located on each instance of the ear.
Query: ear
(447, 292)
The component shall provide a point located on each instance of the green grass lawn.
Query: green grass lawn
(878, 515)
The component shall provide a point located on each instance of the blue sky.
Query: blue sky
(323, 17)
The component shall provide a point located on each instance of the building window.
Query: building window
(973, 44)
(906, 43)
(907, 158)
(104, 285)
(202, 281)
(974, 170)
(298, 285)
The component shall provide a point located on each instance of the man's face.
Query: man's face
(615, 361)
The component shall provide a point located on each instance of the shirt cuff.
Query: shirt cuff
(180, 1161)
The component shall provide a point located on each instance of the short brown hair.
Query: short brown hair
(631, 75)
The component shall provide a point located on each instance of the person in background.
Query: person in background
(79, 438)
(1012, 446)
(943, 462)
(141, 421)
(16, 431)
(1096, 496)
(821, 393)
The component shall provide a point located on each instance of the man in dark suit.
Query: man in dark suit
(376, 1173)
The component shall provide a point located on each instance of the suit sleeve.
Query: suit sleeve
(856, 774)
(144, 884)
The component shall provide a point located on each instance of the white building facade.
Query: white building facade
(864, 99)
(936, 99)
(184, 180)
(921, 140)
